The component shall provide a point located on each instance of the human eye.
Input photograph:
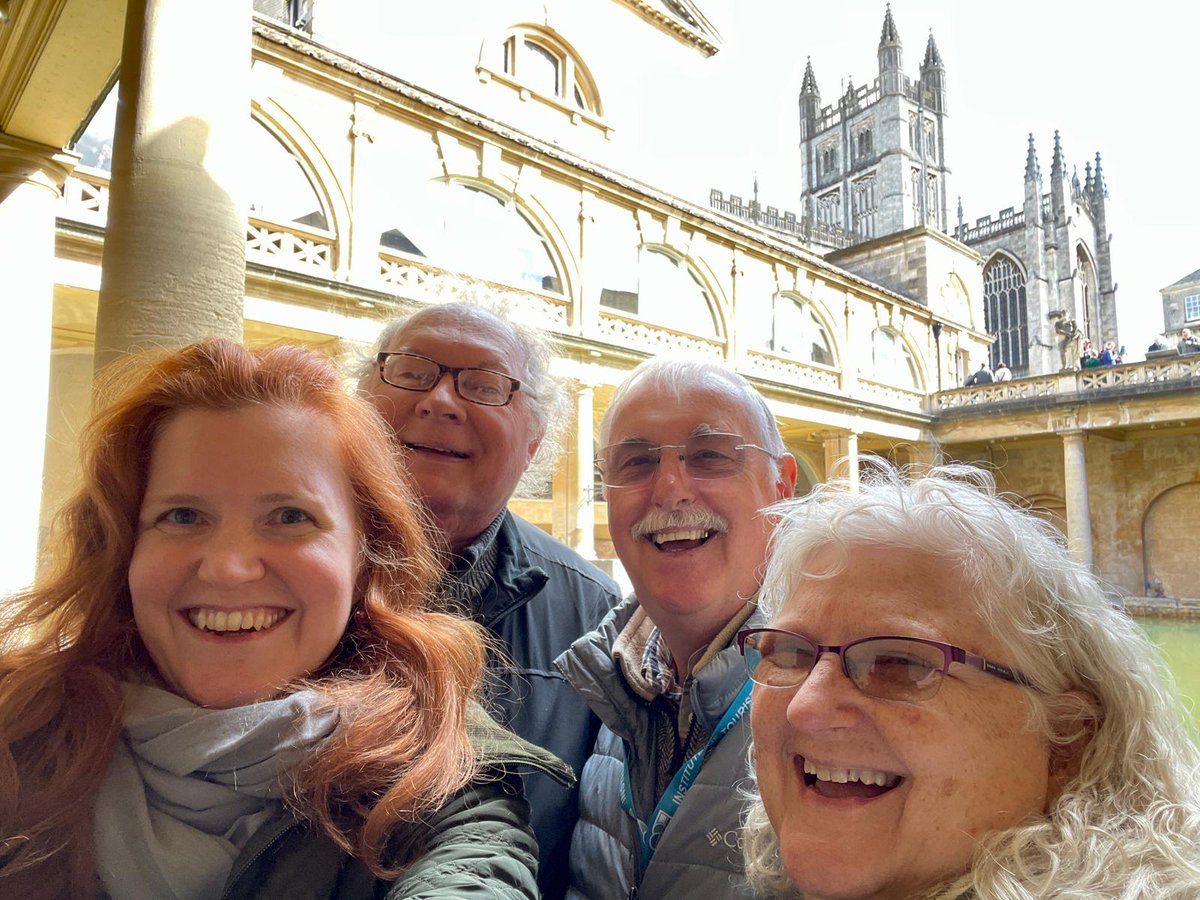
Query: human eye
(408, 371)
(484, 385)
(177, 518)
(710, 454)
(635, 457)
(291, 515)
(786, 660)
(890, 668)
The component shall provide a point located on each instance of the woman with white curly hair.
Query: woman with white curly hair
(947, 706)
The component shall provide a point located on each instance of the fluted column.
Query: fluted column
(174, 265)
(31, 177)
(1079, 518)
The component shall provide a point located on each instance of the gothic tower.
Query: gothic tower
(874, 163)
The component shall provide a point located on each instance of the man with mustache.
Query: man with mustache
(473, 405)
(690, 456)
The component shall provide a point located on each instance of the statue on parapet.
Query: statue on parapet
(1070, 338)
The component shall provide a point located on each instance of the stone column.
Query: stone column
(31, 176)
(841, 455)
(174, 265)
(581, 500)
(1079, 519)
(924, 456)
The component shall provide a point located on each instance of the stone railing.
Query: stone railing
(624, 331)
(85, 197)
(888, 395)
(792, 372)
(290, 246)
(1183, 371)
(421, 281)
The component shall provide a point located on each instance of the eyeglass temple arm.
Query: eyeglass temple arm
(992, 668)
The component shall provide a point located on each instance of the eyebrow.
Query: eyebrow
(194, 499)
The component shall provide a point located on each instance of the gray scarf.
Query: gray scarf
(188, 786)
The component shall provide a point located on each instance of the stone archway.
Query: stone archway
(1169, 532)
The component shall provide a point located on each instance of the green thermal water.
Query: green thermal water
(1180, 643)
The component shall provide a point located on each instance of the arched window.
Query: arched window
(541, 62)
(1005, 314)
(279, 188)
(798, 332)
(892, 364)
(466, 228)
(669, 292)
(1088, 297)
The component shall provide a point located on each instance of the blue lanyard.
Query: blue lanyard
(668, 805)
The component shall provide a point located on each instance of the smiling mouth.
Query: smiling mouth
(677, 541)
(847, 784)
(238, 621)
(436, 451)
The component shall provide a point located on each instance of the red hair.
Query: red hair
(400, 682)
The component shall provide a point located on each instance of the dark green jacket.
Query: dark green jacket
(477, 845)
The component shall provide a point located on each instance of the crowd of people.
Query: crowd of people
(295, 644)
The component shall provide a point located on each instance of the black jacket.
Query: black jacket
(544, 597)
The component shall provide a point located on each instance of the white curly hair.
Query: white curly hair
(1127, 825)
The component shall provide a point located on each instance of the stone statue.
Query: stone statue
(1069, 343)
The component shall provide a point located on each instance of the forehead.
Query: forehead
(885, 590)
(461, 339)
(660, 412)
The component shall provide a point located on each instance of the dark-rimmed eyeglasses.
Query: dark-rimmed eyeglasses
(709, 455)
(413, 372)
(886, 667)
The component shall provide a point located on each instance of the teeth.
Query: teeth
(842, 776)
(694, 535)
(238, 620)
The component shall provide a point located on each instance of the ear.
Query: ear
(785, 487)
(532, 449)
(1075, 725)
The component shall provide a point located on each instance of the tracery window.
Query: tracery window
(862, 143)
(828, 160)
(1005, 314)
(829, 208)
(797, 331)
(467, 228)
(863, 206)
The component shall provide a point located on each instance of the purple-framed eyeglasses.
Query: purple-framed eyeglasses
(888, 667)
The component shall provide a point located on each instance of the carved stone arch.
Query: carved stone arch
(705, 279)
(560, 244)
(823, 317)
(269, 114)
(493, 54)
(919, 370)
(1169, 528)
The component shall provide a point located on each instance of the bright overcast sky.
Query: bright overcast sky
(1115, 78)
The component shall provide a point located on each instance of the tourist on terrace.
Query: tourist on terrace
(983, 375)
(1188, 342)
(232, 686)
(947, 706)
(1002, 373)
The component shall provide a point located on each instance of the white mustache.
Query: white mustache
(679, 520)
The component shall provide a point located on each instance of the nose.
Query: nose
(231, 558)
(441, 400)
(827, 698)
(672, 487)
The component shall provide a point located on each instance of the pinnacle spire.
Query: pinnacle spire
(809, 85)
(1032, 171)
(1098, 184)
(932, 57)
(1087, 180)
(1056, 166)
(889, 34)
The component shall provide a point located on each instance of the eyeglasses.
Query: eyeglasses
(413, 372)
(887, 668)
(710, 455)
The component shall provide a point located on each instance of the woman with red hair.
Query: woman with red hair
(231, 684)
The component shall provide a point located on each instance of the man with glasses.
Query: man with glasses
(690, 457)
(471, 401)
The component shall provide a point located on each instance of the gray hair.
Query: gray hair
(1128, 823)
(673, 375)
(545, 395)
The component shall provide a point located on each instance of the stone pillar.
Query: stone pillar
(174, 266)
(923, 456)
(581, 500)
(31, 176)
(1079, 519)
(841, 455)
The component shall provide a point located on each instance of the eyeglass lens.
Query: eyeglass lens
(703, 455)
(416, 373)
(886, 668)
